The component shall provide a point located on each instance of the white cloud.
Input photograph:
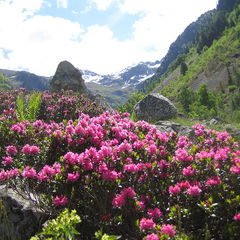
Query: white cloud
(102, 4)
(39, 43)
(62, 3)
(162, 21)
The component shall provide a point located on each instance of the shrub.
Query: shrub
(127, 178)
(61, 228)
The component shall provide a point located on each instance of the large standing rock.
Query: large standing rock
(68, 77)
(154, 107)
(19, 219)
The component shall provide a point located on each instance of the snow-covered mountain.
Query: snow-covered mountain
(128, 77)
(116, 88)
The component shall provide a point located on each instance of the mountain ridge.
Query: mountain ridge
(115, 87)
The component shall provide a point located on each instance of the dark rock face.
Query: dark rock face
(154, 107)
(19, 220)
(68, 77)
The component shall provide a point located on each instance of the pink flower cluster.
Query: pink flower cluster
(131, 168)
(120, 199)
(27, 149)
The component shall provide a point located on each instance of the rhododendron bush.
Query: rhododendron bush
(56, 107)
(126, 177)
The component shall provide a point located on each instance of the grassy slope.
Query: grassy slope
(112, 94)
(225, 51)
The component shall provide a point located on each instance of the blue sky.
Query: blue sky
(104, 36)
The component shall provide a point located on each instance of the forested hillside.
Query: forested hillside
(207, 63)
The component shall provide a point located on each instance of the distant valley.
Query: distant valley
(116, 87)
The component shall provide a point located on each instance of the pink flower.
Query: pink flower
(133, 168)
(163, 137)
(57, 167)
(194, 191)
(188, 171)
(237, 217)
(128, 192)
(71, 158)
(199, 129)
(152, 237)
(154, 213)
(152, 149)
(182, 141)
(27, 149)
(46, 173)
(35, 150)
(221, 154)
(204, 155)
(60, 201)
(174, 189)
(235, 169)
(13, 172)
(118, 201)
(184, 185)
(125, 146)
(168, 229)
(183, 156)
(163, 164)
(147, 224)
(73, 177)
(110, 175)
(213, 181)
(223, 136)
(7, 160)
(141, 205)
(29, 172)
(11, 150)
(3, 175)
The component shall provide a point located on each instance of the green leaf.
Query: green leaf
(112, 237)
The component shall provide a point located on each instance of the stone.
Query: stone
(233, 131)
(154, 107)
(167, 126)
(67, 77)
(100, 100)
(213, 121)
(19, 218)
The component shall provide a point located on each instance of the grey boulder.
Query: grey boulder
(154, 107)
(67, 77)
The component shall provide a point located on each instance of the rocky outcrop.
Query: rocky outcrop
(67, 77)
(154, 107)
(19, 219)
(167, 126)
(100, 100)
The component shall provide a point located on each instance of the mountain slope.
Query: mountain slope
(116, 88)
(210, 84)
(214, 66)
(179, 47)
(128, 77)
(23, 79)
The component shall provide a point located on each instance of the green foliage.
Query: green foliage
(202, 104)
(227, 5)
(28, 110)
(4, 82)
(99, 235)
(235, 101)
(128, 106)
(186, 97)
(206, 98)
(212, 30)
(34, 106)
(183, 68)
(21, 108)
(61, 228)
